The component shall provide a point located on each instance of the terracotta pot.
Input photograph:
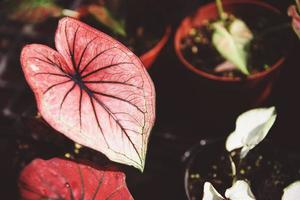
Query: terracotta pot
(256, 88)
(150, 56)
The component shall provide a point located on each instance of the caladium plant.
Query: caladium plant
(63, 179)
(93, 90)
(251, 128)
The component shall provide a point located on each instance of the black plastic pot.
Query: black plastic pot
(269, 168)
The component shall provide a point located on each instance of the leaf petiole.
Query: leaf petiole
(221, 12)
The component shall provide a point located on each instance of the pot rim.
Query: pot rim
(150, 54)
(210, 76)
(153, 52)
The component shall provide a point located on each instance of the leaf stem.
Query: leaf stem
(220, 9)
(233, 170)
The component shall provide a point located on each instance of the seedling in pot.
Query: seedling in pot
(251, 128)
(115, 19)
(231, 37)
(232, 44)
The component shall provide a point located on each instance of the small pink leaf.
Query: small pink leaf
(62, 179)
(93, 90)
(294, 13)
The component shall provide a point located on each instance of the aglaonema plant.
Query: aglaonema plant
(94, 91)
(251, 128)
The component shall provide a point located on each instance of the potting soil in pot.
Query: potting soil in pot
(270, 43)
(269, 169)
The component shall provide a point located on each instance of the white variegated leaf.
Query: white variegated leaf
(251, 128)
(240, 191)
(210, 193)
(292, 192)
(232, 43)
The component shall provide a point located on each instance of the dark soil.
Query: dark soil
(269, 169)
(270, 43)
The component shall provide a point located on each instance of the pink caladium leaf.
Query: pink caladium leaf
(58, 179)
(93, 90)
(293, 11)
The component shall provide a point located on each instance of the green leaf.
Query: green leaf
(293, 12)
(34, 11)
(232, 43)
(103, 15)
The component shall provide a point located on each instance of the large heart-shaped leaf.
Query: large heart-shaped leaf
(58, 179)
(33, 11)
(93, 90)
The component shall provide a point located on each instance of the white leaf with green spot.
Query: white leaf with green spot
(232, 43)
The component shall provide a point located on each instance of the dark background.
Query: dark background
(180, 121)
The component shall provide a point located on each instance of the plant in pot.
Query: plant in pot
(35, 21)
(235, 48)
(242, 171)
(117, 20)
(97, 93)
